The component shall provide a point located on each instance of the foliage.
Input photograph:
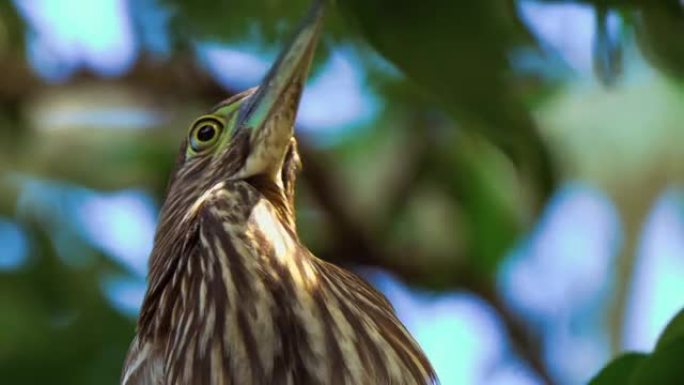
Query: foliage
(619, 370)
(58, 317)
(662, 366)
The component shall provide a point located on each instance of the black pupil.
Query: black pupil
(206, 133)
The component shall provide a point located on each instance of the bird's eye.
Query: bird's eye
(205, 133)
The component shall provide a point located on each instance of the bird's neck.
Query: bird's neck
(237, 237)
(238, 284)
(282, 205)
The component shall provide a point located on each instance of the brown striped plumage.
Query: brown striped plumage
(233, 296)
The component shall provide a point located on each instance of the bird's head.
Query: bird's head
(247, 137)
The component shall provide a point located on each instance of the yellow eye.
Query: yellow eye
(205, 133)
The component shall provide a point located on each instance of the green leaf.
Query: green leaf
(234, 20)
(482, 186)
(663, 367)
(619, 371)
(673, 330)
(659, 35)
(458, 54)
(265, 23)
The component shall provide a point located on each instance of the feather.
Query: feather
(143, 365)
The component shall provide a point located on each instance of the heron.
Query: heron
(233, 295)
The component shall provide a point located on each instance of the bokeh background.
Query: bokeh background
(508, 172)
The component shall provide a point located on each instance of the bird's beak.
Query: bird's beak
(270, 112)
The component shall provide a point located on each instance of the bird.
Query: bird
(233, 295)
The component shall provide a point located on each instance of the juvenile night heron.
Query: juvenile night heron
(234, 298)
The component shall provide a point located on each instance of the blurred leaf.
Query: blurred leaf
(59, 321)
(659, 31)
(229, 20)
(673, 331)
(486, 190)
(457, 52)
(11, 29)
(255, 21)
(619, 371)
(663, 367)
(427, 177)
(139, 158)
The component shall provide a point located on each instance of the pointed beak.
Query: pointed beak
(278, 96)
